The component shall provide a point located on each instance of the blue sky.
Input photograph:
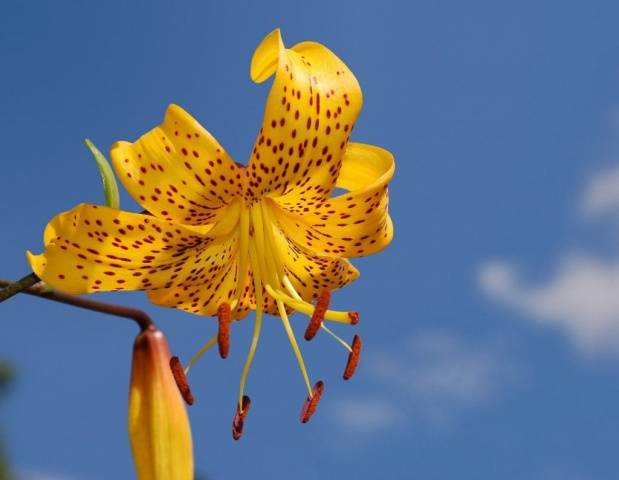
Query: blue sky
(490, 325)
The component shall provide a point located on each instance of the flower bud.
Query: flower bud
(158, 423)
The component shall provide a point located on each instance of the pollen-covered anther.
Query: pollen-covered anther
(353, 317)
(239, 417)
(353, 358)
(181, 380)
(319, 315)
(309, 407)
(223, 334)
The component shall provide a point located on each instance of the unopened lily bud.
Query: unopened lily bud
(158, 424)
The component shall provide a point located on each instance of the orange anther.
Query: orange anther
(309, 407)
(319, 314)
(223, 334)
(353, 358)
(354, 317)
(239, 417)
(181, 380)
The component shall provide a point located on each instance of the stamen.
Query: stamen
(181, 380)
(339, 340)
(271, 244)
(200, 352)
(223, 334)
(293, 343)
(309, 407)
(319, 315)
(353, 358)
(354, 317)
(243, 254)
(288, 284)
(238, 421)
(258, 322)
(308, 308)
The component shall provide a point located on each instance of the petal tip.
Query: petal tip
(37, 262)
(264, 60)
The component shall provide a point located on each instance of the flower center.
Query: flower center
(263, 248)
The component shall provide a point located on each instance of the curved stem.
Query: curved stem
(138, 316)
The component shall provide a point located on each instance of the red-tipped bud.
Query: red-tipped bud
(354, 317)
(239, 417)
(181, 380)
(353, 358)
(309, 407)
(319, 315)
(223, 334)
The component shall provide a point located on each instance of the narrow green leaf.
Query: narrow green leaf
(110, 187)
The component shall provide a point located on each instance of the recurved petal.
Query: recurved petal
(310, 273)
(93, 248)
(312, 106)
(205, 297)
(353, 224)
(178, 171)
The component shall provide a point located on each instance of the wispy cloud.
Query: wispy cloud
(581, 296)
(40, 475)
(366, 415)
(601, 195)
(432, 376)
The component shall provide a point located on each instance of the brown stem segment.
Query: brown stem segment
(18, 286)
(138, 316)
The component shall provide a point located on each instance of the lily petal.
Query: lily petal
(349, 225)
(178, 171)
(93, 248)
(203, 298)
(310, 111)
(311, 273)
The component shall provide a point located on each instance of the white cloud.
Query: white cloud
(433, 376)
(602, 194)
(580, 298)
(365, 414)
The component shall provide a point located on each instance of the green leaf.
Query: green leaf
(110, 187)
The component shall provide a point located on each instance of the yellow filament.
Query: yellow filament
(257, 323)
(273, 245)
(293, 342)
(200, 352)
(306, 308)
(328, 330)
(288, 284)
(263, 262)
(243, 254)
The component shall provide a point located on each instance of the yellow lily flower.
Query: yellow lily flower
(158, 424)
(222, 238)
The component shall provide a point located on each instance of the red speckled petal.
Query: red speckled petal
(93, 248)
(310, 273)
(178, 171)
(310, 111)
(349, 225)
